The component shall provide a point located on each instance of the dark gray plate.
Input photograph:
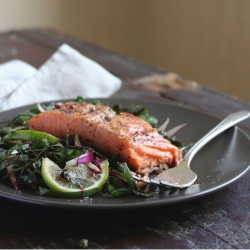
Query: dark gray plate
(218, 164)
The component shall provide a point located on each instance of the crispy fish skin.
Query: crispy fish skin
(136, 141)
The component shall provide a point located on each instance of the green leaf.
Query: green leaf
(79, 99)
(138, 111)
(98, 102)
(3, 153)
(117, 191)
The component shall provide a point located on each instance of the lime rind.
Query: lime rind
(81, 183)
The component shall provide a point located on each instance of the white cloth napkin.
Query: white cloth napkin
(65, 75)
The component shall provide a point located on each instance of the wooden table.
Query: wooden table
(218, 220)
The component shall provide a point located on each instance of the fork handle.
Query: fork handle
(226, 123)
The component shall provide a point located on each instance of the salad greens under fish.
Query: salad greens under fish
(21, 162)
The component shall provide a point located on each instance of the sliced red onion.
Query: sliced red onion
(57, 105)
(40, 108)
(12, 176)
(118, 176)
(77, 141)
(98, 161)
(164, 125)
(173, 131)
(82, 159)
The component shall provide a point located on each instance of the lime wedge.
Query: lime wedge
(74, 181)
(29, 135)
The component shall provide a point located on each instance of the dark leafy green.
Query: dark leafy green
(26, 158)
(137, 110)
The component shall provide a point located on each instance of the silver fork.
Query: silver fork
(182, 176)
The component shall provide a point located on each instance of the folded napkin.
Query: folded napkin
(12, 73)
(65, 75)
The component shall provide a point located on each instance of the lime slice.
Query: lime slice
(29, 135)
(74, 181)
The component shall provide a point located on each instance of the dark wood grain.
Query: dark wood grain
(218, 220)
